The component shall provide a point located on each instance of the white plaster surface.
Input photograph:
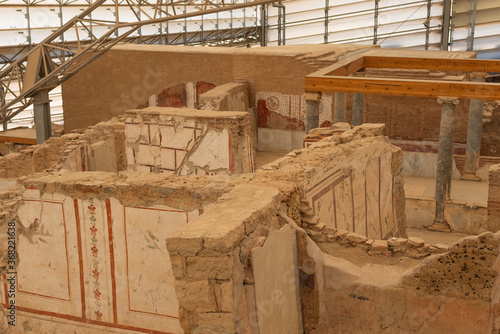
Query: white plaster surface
(212, 152)
(277, 294)
(112, 256)
(6, 183)
(48, 274)
(355, 194)
(276, 140)
(421, 164)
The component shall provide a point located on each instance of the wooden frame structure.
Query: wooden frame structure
(338, 78)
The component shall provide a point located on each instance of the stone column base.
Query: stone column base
(470, 177)
(439, 226)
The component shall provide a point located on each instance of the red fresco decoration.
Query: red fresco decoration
(203, 87)
(264, 113)
(174, 96)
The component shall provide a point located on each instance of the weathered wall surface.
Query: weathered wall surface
(446, 293)
(134, 73)
(464, 217)
(228, 97)
(494, 198)
(423, 163)
(490, 142)
(350, 181)
(97, 148)
(214, 278)
(222, 239)
(186, 141)
(413, 117)
(274, 75)
(93, 237)
(276, 275)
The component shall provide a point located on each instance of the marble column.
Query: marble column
(339, 114)
(312, 111)
(357, 109)
(474, 132)
(445, 161)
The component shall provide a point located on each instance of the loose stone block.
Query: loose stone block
(356, 238)
(415, 242)
(380, 246)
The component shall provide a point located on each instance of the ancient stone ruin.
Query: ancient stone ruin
(205, 207)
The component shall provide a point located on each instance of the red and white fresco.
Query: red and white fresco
(97, 262)
(182, 95)
(358, 199)
(287, 112)
(184, 146)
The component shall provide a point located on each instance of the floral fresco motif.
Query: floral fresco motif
(95, 262)
(152, 241)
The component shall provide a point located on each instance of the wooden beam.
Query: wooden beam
(18, 140)
(347, 67)
(440, 64)
(399, 87)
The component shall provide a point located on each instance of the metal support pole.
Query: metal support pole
(263, 23)
(339, 114)
(312, 111)
(427, 24)
(231, 42)
(91, 33)
(472, 28)
(474, 131)
(167, 42)
(61, 20)
(41, 106)
(28, 20)
(357, 109)
(445, 161)
(117, 16)
(375, 23)
(327, 10)
(2, 92)
(281, 23)
(445, 34)
(284, 25)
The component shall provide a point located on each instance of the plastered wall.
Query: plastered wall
(93, 250)
(188, 142)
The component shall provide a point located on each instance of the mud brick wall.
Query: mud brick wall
(416, 118)
(126, 76)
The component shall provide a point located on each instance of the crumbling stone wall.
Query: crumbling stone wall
(229, 234)
(351, 180)
(76, 151)
(228, 97)
(446, 293)
(102, 225)
(211, 260)
(494, 198)
(188, 142)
